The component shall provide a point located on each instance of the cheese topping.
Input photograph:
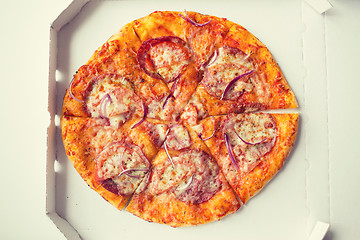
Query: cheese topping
(255, 128)
(233, 55)
(157, 132)
(203, 184)
(194, 111)
(167, 53)
(122, 168)
(227, 64)
(251, 137)
(158, 109)
(164, 57)
(218, 77)
(178, 137)
(112, 97)
(168, 59)
(165, 176)
(193, 179)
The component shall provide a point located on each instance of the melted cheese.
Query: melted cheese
(252, 136)
(169, 59)
(253, 129)
(166, 176)
(156, 109)
(161, 130)
(116, 163)
(203, 183)
(178, 138)
(225, 56)
(110, 167)
(115, 102)
(225, 66)
(166, 54)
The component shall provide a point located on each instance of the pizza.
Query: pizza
(171, 118)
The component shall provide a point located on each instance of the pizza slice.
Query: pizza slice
(169, 60)
(249, 148)
(186, 186)
(242, 76)
(115, 162)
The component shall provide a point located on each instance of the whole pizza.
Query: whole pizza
(167, 118)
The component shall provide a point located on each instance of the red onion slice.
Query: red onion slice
(249, 143)
(71, 94)
(133, 169)
(231, 155)
(213, 133)
(120, 159)
(213, 58)
(143, 118)
(103, 104)
(166, 100)
(171, 92)
(168, 155)
(143, 57)
(187, 185)
(233, 81)
(187, 18)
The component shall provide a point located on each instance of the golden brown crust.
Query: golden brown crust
(77, 134)
(166, 209)
(164, 99)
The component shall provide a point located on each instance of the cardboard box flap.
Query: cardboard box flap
(69, 13)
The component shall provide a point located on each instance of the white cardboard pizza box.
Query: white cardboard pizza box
(294, 205)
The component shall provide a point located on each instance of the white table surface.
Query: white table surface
(24, 77)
